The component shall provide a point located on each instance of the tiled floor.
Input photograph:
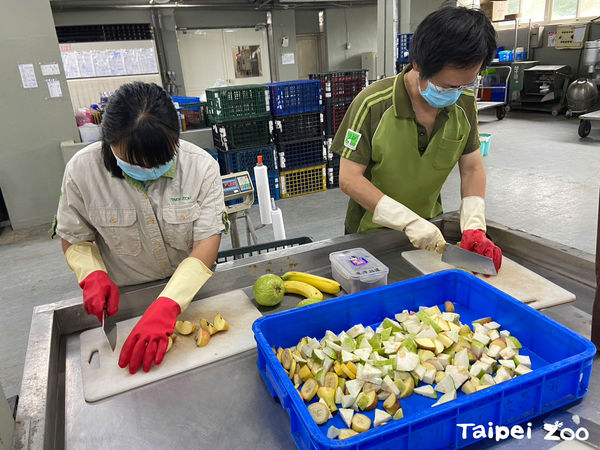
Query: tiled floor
(542, 179)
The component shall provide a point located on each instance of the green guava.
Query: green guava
(268, 290)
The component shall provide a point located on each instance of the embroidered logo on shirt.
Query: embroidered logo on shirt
(352, 138)
(179, 199)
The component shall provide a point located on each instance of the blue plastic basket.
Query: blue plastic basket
(486, 143)
(295, 97)
(240, 160)
(561, 362)
(404, 41)
(299, 154)
(193, 102)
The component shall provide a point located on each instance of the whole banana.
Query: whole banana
(321, 283)
(304, 289)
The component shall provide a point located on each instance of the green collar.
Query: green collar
(137, 184)
(402, 104)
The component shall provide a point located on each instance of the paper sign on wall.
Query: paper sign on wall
(287, 58)
(49, 69)
(28, 76)
(54, 88)
(552, 39)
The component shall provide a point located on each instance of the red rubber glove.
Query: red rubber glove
(148, 340)
(476, 241)
(99, 290)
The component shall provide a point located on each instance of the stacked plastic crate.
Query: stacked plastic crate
(242, 129)
(338, 91)
(298, 132)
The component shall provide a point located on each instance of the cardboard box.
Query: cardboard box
(495, 10)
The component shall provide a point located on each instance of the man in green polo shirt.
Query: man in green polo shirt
(402, 136)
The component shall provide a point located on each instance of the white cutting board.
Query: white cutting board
(109, 379)
(513, 279)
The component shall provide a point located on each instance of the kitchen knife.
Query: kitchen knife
(465, 259)
(110, 330)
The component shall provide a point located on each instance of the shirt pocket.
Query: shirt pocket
(178, 226)
(448, 153)
(119, 229)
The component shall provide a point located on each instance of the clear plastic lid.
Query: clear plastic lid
(358, 263)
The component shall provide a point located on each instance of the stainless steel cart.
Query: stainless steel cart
(481, 88)
(585, 122)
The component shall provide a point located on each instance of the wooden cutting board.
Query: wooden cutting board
(512, 278)
(103, 377)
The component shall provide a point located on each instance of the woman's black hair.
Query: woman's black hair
(454, 36)
(141, 119)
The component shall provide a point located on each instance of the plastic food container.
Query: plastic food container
(561, 361)
(357, 270)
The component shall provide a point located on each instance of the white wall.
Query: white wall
(361, 32)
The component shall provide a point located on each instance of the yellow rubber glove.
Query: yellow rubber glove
(421, 233)
(472, 214)
(186, 281)
(99, 291)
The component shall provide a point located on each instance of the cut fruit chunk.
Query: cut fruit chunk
(333, 432)
(381, 418)
(406, 361)
(446, 385)
(445, 398)
(354, 386)
(399, 414)
(468, 387)
(367, 402)
(449, 307)
(286, 358)
(170, 344)
(391, 404)
(331, 381)
(184, 328)
(522, 369)
(220, 323)
(319, 412)
(523, 360)
(360, 423)
(425, 343)
(203, 336)
(206, 325)
(347, 415)
(328, 396)
(309, 389)
(426, 391)
(345, 434)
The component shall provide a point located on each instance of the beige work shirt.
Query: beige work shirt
(143, 232)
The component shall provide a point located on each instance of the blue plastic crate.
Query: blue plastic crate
(240, 160)
(295, 97)
(404, 41)
(299, 154)
(561, 362)
(193, 102)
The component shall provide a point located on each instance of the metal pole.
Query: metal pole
(516, 38)
(596, 310)
(528, 39)
(233, 231)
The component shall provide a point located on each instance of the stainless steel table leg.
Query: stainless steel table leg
(596, 310)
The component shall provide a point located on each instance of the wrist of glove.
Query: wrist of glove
(421, 233)
(99, 292)
(147, 343)
(472, 214)
(476, 241)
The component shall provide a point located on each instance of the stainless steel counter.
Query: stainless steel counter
(224, 404)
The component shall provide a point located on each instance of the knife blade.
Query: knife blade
(110, 330)
(465, 259)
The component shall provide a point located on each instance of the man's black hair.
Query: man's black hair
(141, 119)
(459, 37)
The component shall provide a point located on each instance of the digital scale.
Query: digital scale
(238, 193)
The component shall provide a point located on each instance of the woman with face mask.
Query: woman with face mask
(402, 136)
(141, 205)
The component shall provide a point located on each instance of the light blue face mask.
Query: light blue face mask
(142, 173)
(439, 97)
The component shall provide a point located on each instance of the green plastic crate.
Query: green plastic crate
(237, 102)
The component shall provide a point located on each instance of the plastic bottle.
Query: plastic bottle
(277, 218)
(262, 191)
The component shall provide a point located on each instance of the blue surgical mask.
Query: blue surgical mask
(438, 97)
(143, 173)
